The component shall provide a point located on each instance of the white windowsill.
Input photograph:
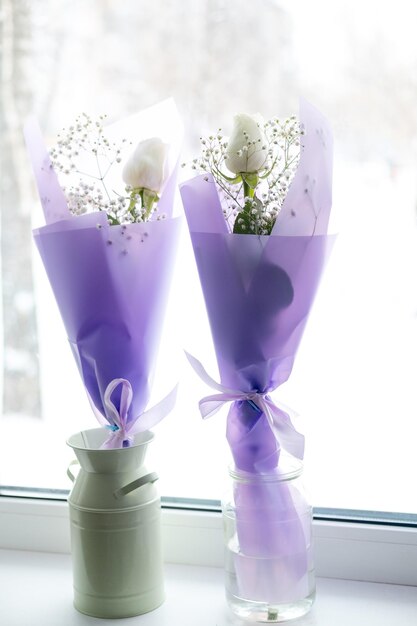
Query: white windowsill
(36, 576)
(36, 590)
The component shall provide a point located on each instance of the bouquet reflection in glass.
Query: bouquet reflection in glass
(260, 242)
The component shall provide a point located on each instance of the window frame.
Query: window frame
(363, 551)
(364, 545)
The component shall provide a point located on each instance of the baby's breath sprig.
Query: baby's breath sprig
(253, 169)
(91, 193)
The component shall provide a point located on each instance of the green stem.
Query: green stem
(246, 189)
(101, 177)
(221, 184)
(113, 220)
(133, 199)
(148, 212)
(147, 200)
(250, 182)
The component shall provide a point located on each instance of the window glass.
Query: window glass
(354, 377)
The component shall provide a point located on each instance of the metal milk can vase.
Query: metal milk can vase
(115, 528)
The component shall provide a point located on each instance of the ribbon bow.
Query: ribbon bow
(122, 430)
(279, 420)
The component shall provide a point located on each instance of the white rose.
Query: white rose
(242, 154)
(145, 167)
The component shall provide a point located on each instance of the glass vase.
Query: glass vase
(269, 571)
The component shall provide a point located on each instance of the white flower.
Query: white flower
(246, 149)
(145, 168)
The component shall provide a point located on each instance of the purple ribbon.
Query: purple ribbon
(279, 420)
(116, 419)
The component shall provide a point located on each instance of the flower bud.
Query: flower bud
(146, 165)
(243, 156)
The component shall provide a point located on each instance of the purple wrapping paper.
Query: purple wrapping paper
(111, 285)
(112, 298)
(258, 292)
(274, 560)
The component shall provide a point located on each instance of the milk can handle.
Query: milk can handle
(69, 473)
(135, 484)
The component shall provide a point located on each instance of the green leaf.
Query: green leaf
(247, 223)
(219, 174)
(251, 179)
(233, 181)
(242, 224)
(149, 197)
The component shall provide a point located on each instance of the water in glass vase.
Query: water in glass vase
(269, 563)
(279, 597)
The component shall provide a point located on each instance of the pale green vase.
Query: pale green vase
(115, 528)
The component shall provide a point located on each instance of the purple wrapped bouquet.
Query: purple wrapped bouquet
(258, 218)
(108, 248)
